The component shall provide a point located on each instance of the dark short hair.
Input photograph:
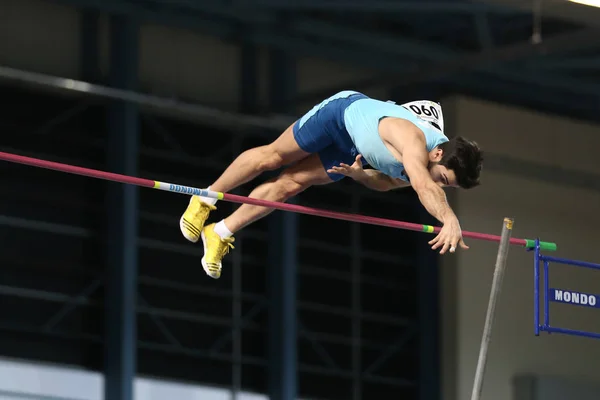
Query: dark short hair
(465, 158)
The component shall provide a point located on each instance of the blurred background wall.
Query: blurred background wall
(547, 179)
(103, 299)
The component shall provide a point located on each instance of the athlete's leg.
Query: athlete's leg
(247, 166)
(251, 163)
(289, 183)
(217, 238)
(314, 132)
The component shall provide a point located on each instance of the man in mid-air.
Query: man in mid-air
(404, 144)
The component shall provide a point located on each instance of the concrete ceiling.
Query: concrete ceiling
(563, 9)
(479, 47)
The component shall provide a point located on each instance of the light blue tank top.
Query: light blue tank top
(362, 123)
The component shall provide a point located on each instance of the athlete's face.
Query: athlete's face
(440, 174)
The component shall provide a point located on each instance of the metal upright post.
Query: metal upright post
(122, 217)
(491, 311)
(430, 387)
(536, 288)
(248, 101)
(282, 307)
(283, 263)
(429, 324)
(237, 313)
(356, 303)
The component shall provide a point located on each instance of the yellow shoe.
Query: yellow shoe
(193, 219)
(215, 249)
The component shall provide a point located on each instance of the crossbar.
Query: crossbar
(189, 190)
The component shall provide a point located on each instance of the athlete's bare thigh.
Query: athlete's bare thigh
(287, 148)
(308, 172)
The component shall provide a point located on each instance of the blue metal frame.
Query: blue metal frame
(430, 387)
(548, 297)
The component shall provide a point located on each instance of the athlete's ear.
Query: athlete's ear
(436, 155)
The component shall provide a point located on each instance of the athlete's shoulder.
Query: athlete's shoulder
(428, 111)
(399, 130)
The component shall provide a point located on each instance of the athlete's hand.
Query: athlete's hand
(354, 171)
(449, 238)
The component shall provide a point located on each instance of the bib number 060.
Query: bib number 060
(424, 110)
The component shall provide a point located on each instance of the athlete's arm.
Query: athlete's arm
(432, 196)
(410, 143)
(377, 180)
(371, 178)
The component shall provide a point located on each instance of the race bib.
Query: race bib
(427, 111)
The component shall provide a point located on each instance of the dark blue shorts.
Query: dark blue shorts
(322, 130)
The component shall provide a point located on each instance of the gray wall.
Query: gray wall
(542, 206)
(531, 387)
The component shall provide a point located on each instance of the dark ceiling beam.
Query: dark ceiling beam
(591, 64)
(455, 63)
(380, 6)
(394, 57)
(445, 63)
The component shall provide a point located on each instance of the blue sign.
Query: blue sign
(576, 298)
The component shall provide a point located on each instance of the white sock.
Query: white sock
(222, 230)
(208, 200)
